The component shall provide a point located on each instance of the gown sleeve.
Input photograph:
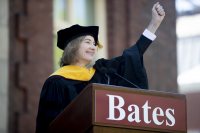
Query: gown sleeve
(53, 99)
(129, 65)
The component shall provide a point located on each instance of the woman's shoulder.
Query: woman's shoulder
(55, 85)
(108, 62)
(105, 65)
(53, 82)
(54, 79)
(59, 81)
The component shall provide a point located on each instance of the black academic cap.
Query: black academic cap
(68, 34)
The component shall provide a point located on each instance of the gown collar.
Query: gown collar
(75, 72)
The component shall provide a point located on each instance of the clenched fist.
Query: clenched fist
(158, 12)
(158, 15)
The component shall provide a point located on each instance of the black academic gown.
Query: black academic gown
(58, 92)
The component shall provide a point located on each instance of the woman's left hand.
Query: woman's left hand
(158, 15)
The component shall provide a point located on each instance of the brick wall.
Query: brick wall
(31, 60)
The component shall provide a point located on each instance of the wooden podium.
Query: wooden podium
(113, 109)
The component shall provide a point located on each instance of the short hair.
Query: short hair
(69, 55)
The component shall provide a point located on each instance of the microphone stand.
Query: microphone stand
(127, 80)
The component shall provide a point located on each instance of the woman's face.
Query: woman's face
(86, 51)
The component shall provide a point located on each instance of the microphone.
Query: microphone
(108, 77)
(111, 71)
(104, 71)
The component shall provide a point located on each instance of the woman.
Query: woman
(80, 45)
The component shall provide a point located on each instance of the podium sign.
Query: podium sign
(113, 109)
(139, 109)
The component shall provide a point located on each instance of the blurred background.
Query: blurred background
(28, 53)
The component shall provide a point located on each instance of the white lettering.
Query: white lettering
(158, 115)
(146, 112)
(170, 117)
(135, 115)
(157, 112)
(113, 107)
